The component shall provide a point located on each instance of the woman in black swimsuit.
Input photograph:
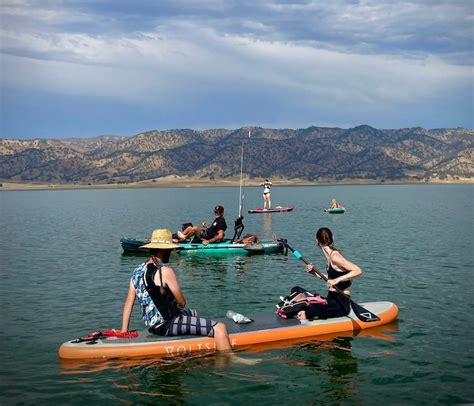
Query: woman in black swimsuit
(267, 199)
(340, 273)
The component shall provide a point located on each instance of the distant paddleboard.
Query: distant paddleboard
(335, 210)
(277, 209)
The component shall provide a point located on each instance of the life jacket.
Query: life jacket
(161, 296)
(292, 304)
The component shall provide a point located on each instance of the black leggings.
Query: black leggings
(337, 305)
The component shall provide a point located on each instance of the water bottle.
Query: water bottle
(237, 317)
(232, 315)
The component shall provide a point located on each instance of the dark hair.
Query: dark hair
(219, 209)
(163, 252)
(324, 237)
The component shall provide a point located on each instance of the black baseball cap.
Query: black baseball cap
(219, 209)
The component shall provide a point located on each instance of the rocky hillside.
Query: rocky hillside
(313, 153)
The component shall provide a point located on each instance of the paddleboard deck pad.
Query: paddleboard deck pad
(275, 210)
(266, 328)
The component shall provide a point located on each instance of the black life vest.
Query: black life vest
(162, 296)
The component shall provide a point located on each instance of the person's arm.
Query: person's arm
(169, 278)
(343, 263)
(127, 308)
(310, 268)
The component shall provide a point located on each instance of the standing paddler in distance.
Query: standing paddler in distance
(267, 198)
(340, 273)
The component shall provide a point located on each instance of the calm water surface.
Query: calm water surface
(63, 274)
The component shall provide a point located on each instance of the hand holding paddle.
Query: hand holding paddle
(361, 313)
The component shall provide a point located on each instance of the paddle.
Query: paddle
(361, 313)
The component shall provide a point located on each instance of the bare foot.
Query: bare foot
(243, 361)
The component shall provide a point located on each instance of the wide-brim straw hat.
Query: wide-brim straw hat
(161, 239)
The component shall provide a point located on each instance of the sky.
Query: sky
(84, 68)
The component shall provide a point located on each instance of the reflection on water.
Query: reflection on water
(343, 371)
(267, 226)
(413, 242)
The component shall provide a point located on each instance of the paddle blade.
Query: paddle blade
(363, 314)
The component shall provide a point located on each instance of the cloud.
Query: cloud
(368, 26)
(337, 58)
(186, 56)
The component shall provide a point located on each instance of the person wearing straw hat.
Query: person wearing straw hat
(157, 289)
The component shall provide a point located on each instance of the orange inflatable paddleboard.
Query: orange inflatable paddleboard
(266, 328)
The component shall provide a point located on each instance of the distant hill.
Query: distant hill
(313, 153)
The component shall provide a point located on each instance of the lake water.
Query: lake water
(63, 275)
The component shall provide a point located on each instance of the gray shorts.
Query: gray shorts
(187, 323)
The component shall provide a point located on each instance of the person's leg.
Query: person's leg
(191, 230)
(187, 323)
(333, 308)
(221, 337)
(269, 201)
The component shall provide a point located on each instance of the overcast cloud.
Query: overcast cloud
(85, 68)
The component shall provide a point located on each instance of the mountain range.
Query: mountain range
(313, 154)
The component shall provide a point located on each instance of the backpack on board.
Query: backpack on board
(298, 300)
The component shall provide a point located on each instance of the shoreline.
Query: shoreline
(193, 182)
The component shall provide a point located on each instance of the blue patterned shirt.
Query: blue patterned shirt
(150, 314)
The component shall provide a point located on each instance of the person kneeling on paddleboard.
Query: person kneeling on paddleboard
(159, 294)
(340, 273)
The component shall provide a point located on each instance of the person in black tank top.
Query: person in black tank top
(340, 273)
(156, 281)
(207, 234)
